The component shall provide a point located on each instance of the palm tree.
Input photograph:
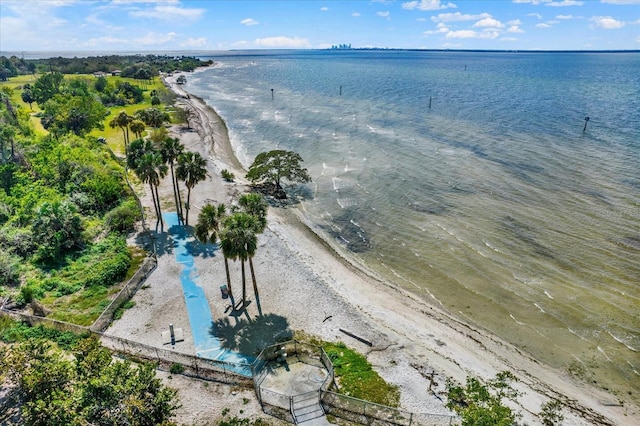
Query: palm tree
(255, 205)
(239, 241)
(122, 120)
(151, 169)
(191, 169)
(208, 230)
(137, 127)
(171, 149)
(137, 149)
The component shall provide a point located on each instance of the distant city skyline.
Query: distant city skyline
(166, 25)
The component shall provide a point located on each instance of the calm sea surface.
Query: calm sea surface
(467, 179)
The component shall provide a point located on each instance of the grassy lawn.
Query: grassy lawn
(354, 373)
(68, 290)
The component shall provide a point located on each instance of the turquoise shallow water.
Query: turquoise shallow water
(492, 202)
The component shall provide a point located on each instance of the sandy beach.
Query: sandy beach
(306, 286)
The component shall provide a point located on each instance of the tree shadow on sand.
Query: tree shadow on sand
(199, 249)
(162, 242)
(251, 336)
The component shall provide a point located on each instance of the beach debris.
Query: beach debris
(348, 333)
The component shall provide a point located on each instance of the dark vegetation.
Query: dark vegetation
(140, 67)
(65, 212)
(60, 378)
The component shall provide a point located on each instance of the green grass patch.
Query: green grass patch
(12, 331)
(354, 373)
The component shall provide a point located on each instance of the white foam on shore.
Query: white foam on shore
(617, 339)
(604, 353)
(548, 295)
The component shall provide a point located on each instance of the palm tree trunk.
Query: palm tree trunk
(175, 193)
(253, 278)
(124, 138)
(226, 269)
(255, 286)
(187, 206)
(179, 199)
(159, 210)
(244, 284)
(155, 204)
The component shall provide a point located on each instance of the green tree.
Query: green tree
(274, 166)
(152, 117)
(184, 115)
(58, 228)
(87, 386)
(208, 230)
(122, 120)
(137, 127)
(255, 205)
(171, 149)
(47, 86)
(27, 95)
(239, 241)
(480, 404)
(151, 169)
(192, 168)
(76, 114)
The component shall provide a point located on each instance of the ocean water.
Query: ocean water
(468, 179)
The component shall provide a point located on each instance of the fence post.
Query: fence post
(410, 418)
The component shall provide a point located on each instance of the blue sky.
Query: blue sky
(163, 25)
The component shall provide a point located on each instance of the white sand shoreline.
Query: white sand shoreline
(304, 280)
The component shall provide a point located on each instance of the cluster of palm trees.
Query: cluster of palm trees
(237, 233)
(152, 158)
(137, 123)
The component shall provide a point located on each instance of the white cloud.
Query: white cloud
(356, 14)
(514, 29)
(324, 8)
(564, 3)
(427, 5)
(441, 28)
(383, 14)
(453, 17)
(488, 22)
(249, 21)
(543, 25)
(462, 34)
(168, 13)
(195, 42)
(486, 34)
(567, 17)
(153, 38)
(508, 39)
(535, 15)
(421, 19)
(283, 42)
(514, 22)
(607, 22)
(101, 41)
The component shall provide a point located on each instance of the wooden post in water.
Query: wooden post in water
(429, 102)
(586, 120)
(271, 94)
(340, 90)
